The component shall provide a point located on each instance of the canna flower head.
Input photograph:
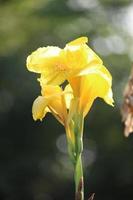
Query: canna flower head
(81, 67)
(57, 65)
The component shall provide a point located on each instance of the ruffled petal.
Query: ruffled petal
(80, 57)
(44, 59)
(57, 65)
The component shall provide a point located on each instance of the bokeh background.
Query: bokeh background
(34, 164)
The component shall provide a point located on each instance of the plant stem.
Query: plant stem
(74, 130)
(78, 169)
(79, 180)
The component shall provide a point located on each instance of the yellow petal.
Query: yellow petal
(56, 101)
(44, 59)
(68, 95)
(51, 91)
(50, 78)
(97, 83)
(109, 98)
(79, 57)
(39, 108)
(50, 62)
(78, 41)
(75, 83)
(54, 93)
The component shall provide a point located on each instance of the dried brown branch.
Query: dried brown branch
(92, 197)
(127, 106)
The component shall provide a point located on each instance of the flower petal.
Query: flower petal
(68, 95)
(39, 108)
(50, 78)
(43, 59)
(50, 91)
(80, 57)
(56, 102)
(109, 98)
(97, 83)
(78, 41)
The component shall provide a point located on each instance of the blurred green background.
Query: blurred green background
(34, 164)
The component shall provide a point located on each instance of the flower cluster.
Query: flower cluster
(81, 68)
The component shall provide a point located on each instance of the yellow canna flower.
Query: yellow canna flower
(56, 65)
(97, 83)
(53, 100)
(77, 64)
(87, 79)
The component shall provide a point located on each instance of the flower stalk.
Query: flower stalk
(79, 180)
(86, 78)
(78, 174)
(75, 151)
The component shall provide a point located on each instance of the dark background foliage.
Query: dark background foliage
(34, 164)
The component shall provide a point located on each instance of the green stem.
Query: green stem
(78, 170)
(74, 130)
(75, 149)
(79, 181)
